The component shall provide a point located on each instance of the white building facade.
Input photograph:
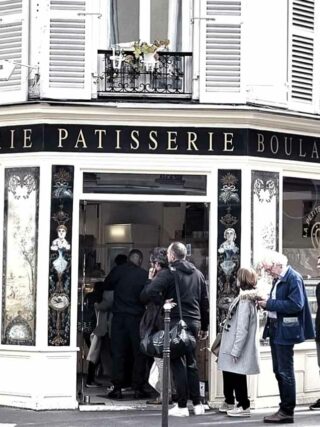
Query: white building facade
(219, 130)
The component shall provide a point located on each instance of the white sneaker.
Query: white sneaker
(198, 409)
(178, 412)
(239, 412)
(225, 407)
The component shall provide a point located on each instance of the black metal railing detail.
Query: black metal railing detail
(171, 75)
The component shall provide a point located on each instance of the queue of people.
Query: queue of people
(138, 298)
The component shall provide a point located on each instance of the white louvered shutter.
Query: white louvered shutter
(301, 55)
(65, 71)
(14, 38)
(221, 76)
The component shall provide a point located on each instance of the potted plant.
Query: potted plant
(147, 53)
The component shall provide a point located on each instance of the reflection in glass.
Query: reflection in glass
(301, 224)
(20, 256)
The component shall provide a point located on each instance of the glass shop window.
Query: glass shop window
(128, 183)
(301, 224)
(145, 21)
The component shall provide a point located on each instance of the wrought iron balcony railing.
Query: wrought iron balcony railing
(170, 77)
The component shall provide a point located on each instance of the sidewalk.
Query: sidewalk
(11, 417)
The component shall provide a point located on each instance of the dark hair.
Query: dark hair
(120, 259)
(135, 256)
(247, 278)
(159, 254)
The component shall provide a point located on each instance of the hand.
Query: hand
(235, 359)
(152, 272)
(203, 335)
(262, 303)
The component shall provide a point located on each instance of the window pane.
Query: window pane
(128, 20)
(159, 20)
(301, 224)
(144, 183)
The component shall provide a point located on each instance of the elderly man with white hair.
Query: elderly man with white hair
(289, 322)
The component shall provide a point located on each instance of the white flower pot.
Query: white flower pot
(149, 61)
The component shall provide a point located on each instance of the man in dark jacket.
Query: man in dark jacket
(316, 405)
(127, 280)
(195, 312)
(289, 322)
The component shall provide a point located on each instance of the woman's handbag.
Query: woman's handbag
(215, 347)
(182, 341)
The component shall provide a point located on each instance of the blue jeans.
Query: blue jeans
(282, 360)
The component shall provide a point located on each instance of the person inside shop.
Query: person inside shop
(86, 325)
(195, 312)
(127, 281)
(288, 323)
(316, 405)
(238, 355)
(153, 317)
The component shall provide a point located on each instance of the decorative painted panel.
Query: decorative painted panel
(229, 237)
(20, 248)
(60, 256)
(265, 211)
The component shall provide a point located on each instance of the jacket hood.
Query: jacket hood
(184, 266)
(251, 295)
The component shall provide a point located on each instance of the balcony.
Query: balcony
(170, 78)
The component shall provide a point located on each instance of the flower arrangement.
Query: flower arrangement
(142, 48)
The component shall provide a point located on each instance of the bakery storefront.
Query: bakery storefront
(74, 196)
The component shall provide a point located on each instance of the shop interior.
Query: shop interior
(108, 229)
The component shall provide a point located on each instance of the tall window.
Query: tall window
(301, 224)
(145, 20)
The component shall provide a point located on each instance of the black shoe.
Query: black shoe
(115, 394)
(279, 418)
(93, 384)
(141, 394)
(315, 406)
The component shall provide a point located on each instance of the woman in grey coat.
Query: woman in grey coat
(238, 355)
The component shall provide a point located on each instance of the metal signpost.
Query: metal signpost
(166, 363)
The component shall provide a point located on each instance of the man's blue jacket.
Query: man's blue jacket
(294, 322)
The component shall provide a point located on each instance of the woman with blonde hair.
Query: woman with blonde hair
(238, 354)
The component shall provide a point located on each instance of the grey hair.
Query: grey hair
(179, 250)
(270, 257)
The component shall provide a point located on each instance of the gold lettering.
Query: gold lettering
(192, 137)
(81, 139)
(27, 138)
(210, 141)
(288, 153)
(260, 143)
(134, 137)
(100, 132)
(63, 134)
(12, 131)
(228, 143)
(172, 139)
(300, 148)
(152, 136)
(314, 150)
(274, 149)
(118, 131)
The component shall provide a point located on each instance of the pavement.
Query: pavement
(12, 417)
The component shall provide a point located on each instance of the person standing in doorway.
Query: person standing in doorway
(289, 322)
(316, 405)
(127, 281)
(195, 312)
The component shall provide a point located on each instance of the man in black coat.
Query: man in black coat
(127, 280)
(195, 312)
(316, 405)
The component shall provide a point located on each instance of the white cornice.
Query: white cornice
(160, 115)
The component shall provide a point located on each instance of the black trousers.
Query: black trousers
(235, 384)
(185, 371)
(125, 334)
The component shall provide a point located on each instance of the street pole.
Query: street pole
(166, 363)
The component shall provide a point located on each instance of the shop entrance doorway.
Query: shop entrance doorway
(112, 228)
